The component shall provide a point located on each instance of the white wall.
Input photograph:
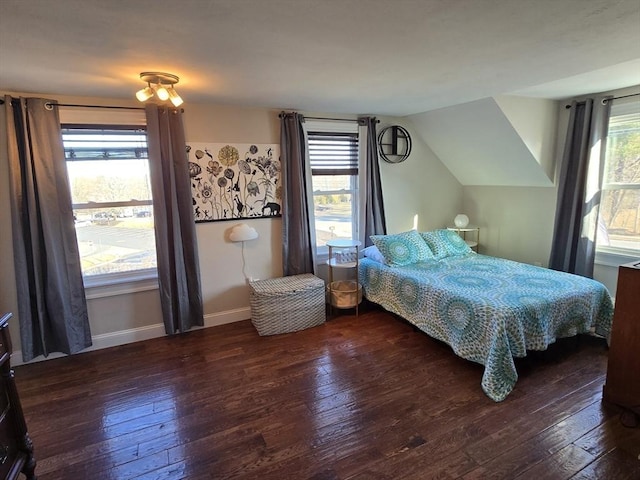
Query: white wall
(535, 120)
(481, 144)
(421, 185)
(223, 284)
(515, 222)
(503, 152)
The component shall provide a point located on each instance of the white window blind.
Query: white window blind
(333, 153)
(108, 143)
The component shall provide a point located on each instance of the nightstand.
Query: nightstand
(343, 254)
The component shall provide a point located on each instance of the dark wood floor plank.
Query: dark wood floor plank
(562, 465)
(611, 434)
(450, 437)
(614, 465)
(521, 457)
(363, 397)
(525, 426)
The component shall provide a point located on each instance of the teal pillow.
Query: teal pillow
(445, 243)
(402, 248)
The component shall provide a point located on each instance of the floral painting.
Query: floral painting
(229, 182)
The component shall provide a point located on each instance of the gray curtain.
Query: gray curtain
(580, 181)
(51, 301)
(371, 196)
(297, 240)
(176, 243)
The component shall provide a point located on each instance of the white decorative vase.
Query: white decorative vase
(461, 220)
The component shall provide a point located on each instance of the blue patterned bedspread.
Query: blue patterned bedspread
(489, 309)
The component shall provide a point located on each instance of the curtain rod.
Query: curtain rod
(614, 98)
(336, 119)
(280, 115)
(50, 105)
(625, 96)
(333, 119)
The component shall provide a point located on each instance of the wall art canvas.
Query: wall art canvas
(233, 181)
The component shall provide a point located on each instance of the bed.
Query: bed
(489, 310)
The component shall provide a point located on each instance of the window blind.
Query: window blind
(333, 153)
(109, 143)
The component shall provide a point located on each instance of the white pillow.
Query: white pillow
(374, 254)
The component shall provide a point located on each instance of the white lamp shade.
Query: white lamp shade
(243, 232)
(461, 220)
(145, 94)
(175, 98)
(162, 93)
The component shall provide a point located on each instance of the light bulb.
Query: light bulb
(145, 94)
(162, 93)
(175, 98)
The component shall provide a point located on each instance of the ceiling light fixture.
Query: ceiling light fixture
(160, 85)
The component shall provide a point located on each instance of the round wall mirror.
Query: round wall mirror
(394, 144)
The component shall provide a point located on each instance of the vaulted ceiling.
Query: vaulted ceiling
(501, 141)
(395, 57)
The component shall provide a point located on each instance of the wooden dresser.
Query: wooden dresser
(16, 449)
(622, 386)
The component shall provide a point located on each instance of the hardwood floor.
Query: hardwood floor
(356, 398)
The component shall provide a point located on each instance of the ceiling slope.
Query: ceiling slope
(503, 141)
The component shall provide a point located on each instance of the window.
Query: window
(109, 178)
(333, 157)
(619, 218)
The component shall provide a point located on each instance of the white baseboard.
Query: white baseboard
(228, 316)
(122, 337)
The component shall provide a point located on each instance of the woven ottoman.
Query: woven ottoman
(287, 304)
